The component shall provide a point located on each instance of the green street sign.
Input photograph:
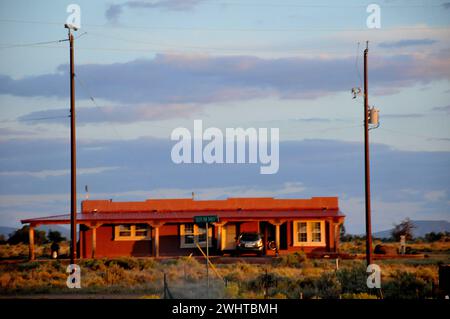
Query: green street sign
(206, 219)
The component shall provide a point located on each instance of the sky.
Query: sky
(144, 68)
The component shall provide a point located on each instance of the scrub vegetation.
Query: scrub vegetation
(288, 276)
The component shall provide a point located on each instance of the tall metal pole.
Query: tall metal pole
(207, 259)
(367, 162)
(73, 158)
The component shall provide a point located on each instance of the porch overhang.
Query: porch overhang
(184, 217)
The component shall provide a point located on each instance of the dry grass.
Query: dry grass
(288, 277)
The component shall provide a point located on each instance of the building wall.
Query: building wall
(169, 241)
(108, 247)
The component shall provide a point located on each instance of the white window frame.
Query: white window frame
(309, 233)
(196, 234)
(133, 235)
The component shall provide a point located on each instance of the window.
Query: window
(316, 234)
(192, 234)
(189, 234)
(302, 232)
(309, 233)
(124, 230)
(201, 237)
(132, 232)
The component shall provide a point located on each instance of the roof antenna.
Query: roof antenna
(86, 189)
(193, 196)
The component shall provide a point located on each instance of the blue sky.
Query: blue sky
(152, 66)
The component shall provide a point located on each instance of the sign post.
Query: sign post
(206, 220)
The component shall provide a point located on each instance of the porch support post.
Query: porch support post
(156, 241)
(219, 235)
(94, 241)
(31, 254)
(277, 236)
(277, 224)
(94, 227)
(266, 235)
(332, 236)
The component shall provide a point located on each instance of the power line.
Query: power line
(8, 46)
(187, 28)
(414, 135)
(34, 119)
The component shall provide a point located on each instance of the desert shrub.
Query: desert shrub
(152, 296)
(306, 288)
(328, 286)
(235, 276)
(407, 285)
(113, 275)
(296, 260)
(147, 263)
(231, 290)
(93, 264)
(361, 295)
(353, 280)
(29, 266)
(279, 295)
(269, 279)
(125, 263)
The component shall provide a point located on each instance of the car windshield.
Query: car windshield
(250, 237)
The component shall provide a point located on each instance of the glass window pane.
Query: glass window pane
(125, 230)
(201, 234)
(141, 230)
(316, 232)
(301, 232)
(189, 233)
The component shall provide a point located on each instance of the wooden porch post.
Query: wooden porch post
(219, 235)
(156, 241)
(266, 235)
(331, 236)
(277, 224)
(31, 254)
(277, 235)
(337, 235)
(94, 227)
(94, 241)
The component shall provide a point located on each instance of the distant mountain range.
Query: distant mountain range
(65, 231)
(422, 227)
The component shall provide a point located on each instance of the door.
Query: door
(230, 237)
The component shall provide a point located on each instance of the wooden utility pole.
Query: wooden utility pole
(367, 162)
(73, 156)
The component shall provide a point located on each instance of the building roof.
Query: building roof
(188, 204)
(183, 210)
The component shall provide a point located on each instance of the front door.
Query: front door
(230, 237)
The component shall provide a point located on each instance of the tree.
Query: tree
(405, 228)
(2, 239)
(55, 236)
(342, 233)
(21, 236)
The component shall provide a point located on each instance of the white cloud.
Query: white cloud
(436, 195)
(59, 172)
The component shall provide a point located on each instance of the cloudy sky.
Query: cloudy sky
(144, 68)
